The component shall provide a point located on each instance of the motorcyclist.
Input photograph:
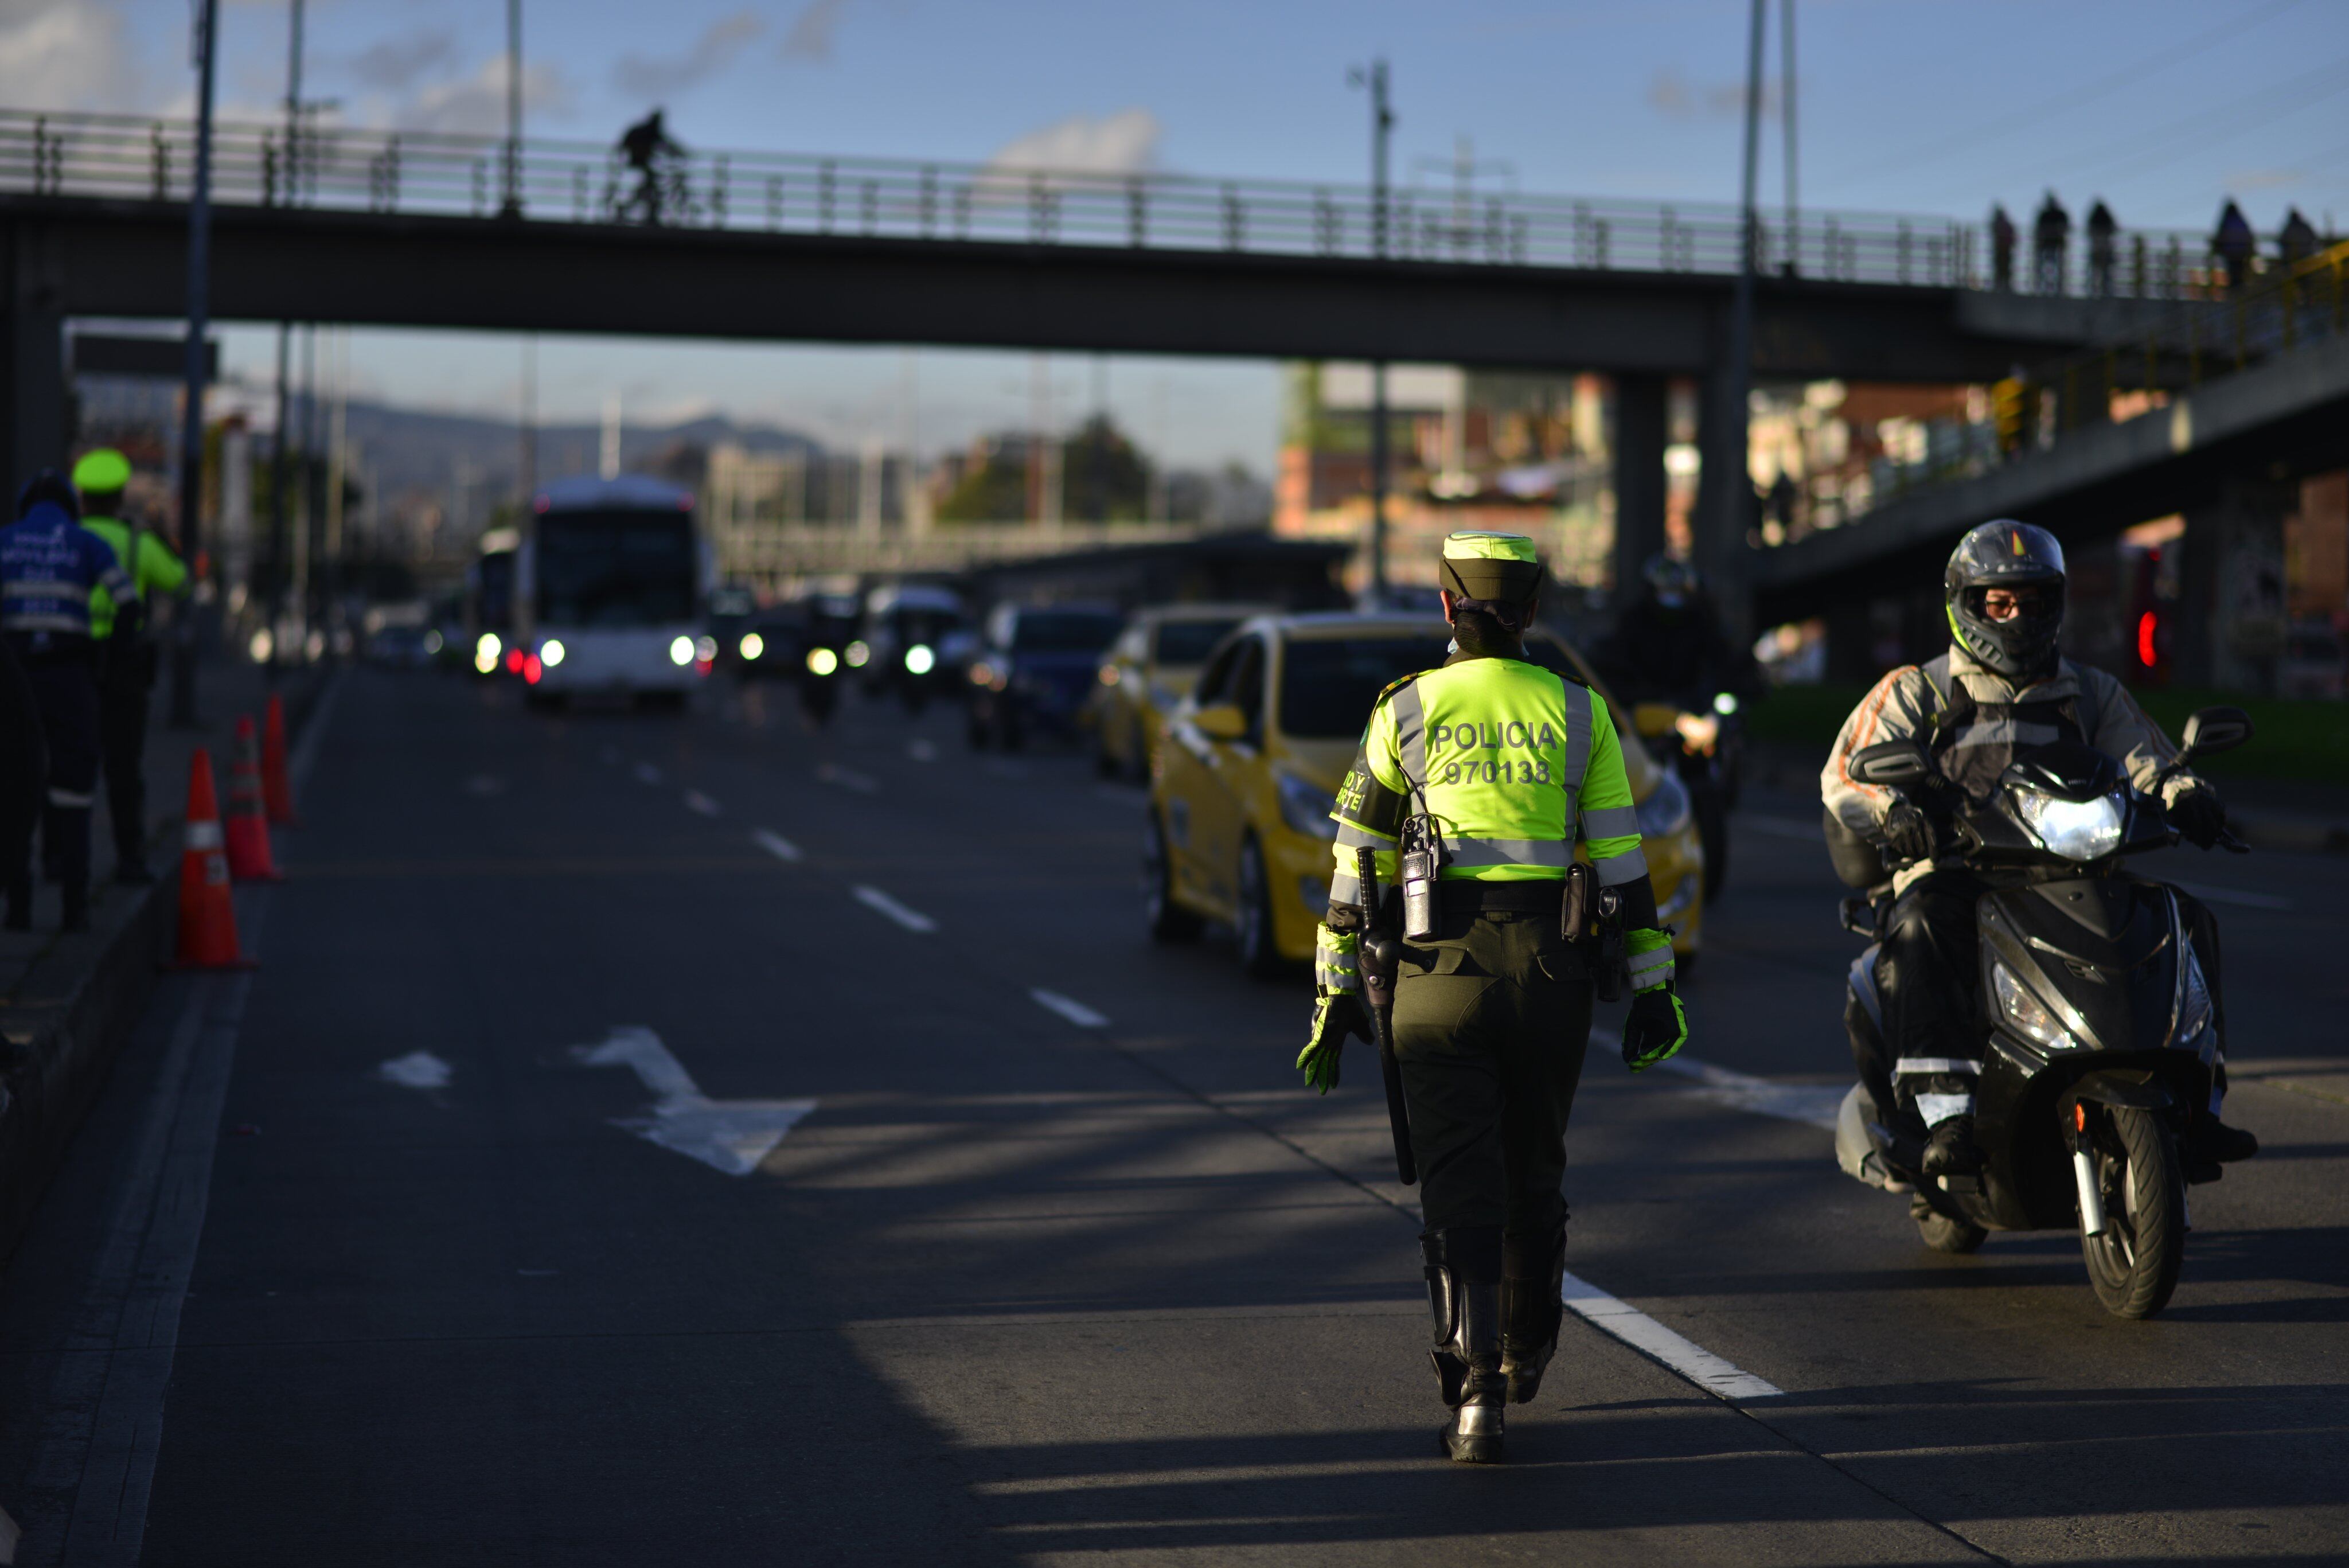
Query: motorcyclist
(1668, 645)
(2001, 691)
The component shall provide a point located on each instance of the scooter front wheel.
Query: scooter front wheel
(2132, 1262)
(1945, 1232)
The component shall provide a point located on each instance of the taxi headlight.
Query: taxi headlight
(1666, 811)
(2075, 829)
(753, 645)
(680, 652)
(550, 653)
(2028, 1015)
(821, 661)
(919, 660)
(1306, 806)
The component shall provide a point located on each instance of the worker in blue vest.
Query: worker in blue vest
(48, 563)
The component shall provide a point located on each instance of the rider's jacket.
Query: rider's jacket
(1973, 721)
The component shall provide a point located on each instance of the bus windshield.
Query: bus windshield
(617, 569)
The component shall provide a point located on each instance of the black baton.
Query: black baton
(1374, 954)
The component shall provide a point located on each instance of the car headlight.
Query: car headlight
(1307, 806)
(680, 651)
(2194, 1013)
(550, 653)
(753, 645)
(919, 660)
(858, 653)
(2075, 829)
(1724, 703)
(821, 661)
(2024, 1011)
(1666, 811)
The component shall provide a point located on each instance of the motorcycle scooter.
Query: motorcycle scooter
(2101, 1029)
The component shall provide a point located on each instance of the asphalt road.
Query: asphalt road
(684, 1140)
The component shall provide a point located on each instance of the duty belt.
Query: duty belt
(1469, 897)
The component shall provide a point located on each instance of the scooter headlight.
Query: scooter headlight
(1666, 810)
(2075, 829)
(2026, 1013)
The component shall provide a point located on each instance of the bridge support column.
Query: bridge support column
(2231, 612)
(1724, 496)
(32, 362)
(1642, 420)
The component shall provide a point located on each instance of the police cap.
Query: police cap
(101, 472)
(1500, 567)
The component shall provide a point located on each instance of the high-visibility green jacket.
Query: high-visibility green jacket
(1512, 763)
(157, 570)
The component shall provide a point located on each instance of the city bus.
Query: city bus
(610, 586)
(489, 600)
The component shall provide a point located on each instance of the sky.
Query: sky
(2163, 108)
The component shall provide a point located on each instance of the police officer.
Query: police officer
(48, 563)
(125, 653)
(1508, 765)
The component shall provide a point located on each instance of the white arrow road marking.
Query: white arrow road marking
(1637, 1329)
(728, 1135)
(847, 778)
(417, 1070)
(648, 773)
(912, 919)
(697, 800)
(1814, 1105)
(776, 845)
(1075, 1011)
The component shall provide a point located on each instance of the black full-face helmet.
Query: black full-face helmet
(52, 487)
(2006, 554)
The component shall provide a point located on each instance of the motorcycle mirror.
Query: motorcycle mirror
(2214, 730)
(1892, 765)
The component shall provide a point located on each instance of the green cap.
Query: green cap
(102, 471)
(1480, 566)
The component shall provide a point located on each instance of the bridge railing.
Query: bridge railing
(346, 167)
(2275, 312)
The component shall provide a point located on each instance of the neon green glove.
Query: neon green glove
(1656, 1028)
(1335, 1016)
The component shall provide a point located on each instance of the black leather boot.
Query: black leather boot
(1951, 1150)
(1463, 1288)
(1533, 1280)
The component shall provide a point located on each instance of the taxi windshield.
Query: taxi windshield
(1328, 685)
(1190, 642)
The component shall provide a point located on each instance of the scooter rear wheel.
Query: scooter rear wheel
(1943, 1233)
(2134, 1262)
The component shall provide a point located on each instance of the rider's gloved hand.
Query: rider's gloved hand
(2198, 814)
(1335, 1016)
(1908, 832)
(1656, 1027)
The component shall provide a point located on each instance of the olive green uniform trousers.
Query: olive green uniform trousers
(1492, 1017)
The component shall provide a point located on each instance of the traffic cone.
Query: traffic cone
(277, 788)
(207, 913)
(249, 859)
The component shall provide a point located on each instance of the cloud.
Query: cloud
(811, 35)
(396, 64)
(652, 77)
(1126, 142)
(476, 104)
(65, 54)
(1674, 96)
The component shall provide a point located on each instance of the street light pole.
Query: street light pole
(512, 206)
(1731, 489)
(1787, 91)
(1382, 130)
(191, 418)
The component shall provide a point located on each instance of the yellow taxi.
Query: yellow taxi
(1147, 670)
(1238, 829)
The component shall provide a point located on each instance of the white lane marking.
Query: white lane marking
(1813, 1105)
(921, 751)
(697, 800)
(1075, 1011)
(2210, 895)
(648, 773)
(1635, 1328)
(9, 1536)
(847, 778)
(912, 919)
(417, 1070)
(776, 845)
(1779, 826)
(728, 1135)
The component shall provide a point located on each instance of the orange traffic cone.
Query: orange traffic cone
(277, 788)
(249, 859)
(207, 914)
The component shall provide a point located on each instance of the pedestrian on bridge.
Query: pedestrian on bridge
(2002, 249)
(48, 563)
(2051, 237)
(127, 654)
(1474, 782)
(649, 150)
(2297, 241)
(2234, 244)
(2104, 245)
